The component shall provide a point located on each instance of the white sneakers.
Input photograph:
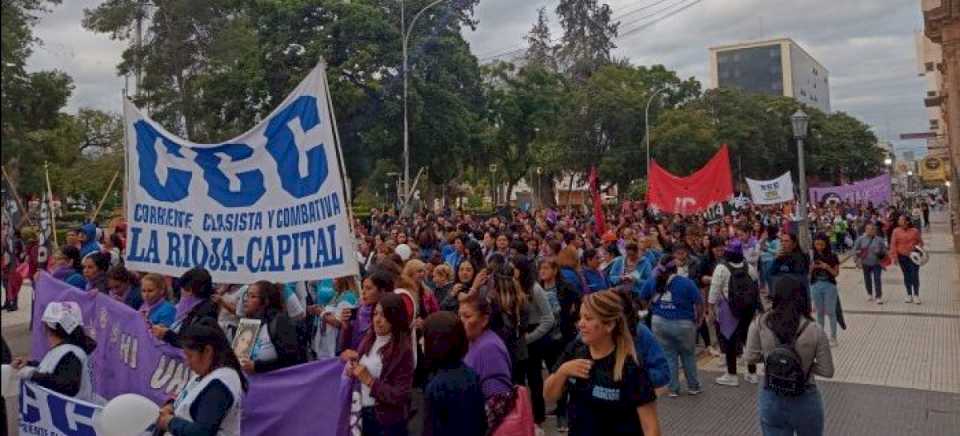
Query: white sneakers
(909, 299)
(880, 300)
(752, 378)
(834, 343)
(916, 300)
(728, 380)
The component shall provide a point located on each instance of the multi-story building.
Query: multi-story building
(774, 67)
(941, 26)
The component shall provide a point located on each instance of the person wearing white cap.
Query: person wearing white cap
(64, 369)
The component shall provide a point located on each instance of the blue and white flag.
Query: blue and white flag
(46, 413)
(266, 205)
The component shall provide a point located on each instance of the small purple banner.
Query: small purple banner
(309, 399)
(876, 190)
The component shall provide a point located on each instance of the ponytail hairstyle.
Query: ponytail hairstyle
(662, 273)
(198, 336)
(608, 307)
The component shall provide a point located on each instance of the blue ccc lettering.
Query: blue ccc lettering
(281, 145)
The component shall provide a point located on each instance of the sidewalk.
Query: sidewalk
(897, 366)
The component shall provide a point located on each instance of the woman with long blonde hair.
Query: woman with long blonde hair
(614, 395)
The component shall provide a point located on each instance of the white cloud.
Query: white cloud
(867, 46)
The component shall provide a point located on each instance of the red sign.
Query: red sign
(695, 193)
(597, 203)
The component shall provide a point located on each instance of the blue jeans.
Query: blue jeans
(911, 275)
(823, 294)
(678, 337)
(789, 416)
(871, 278)
(765, 267)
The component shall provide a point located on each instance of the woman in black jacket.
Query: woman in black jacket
(194, 306)
(277, 345)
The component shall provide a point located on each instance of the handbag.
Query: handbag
(519, 422)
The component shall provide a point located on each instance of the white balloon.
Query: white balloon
(9, 381)
(404, 251)
(125, 415)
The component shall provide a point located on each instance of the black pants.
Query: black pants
(533, 371)
(704, 332)
(550, 357)
(372, 427)
(733, 346)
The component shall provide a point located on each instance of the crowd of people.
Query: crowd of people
(482, 316)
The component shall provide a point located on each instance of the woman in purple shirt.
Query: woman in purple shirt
(487, 356)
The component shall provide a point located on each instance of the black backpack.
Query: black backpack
(743, 293)
(785, 374)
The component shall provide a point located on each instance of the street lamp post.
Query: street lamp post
(536, 197)
(405, 32)
(646, 124)
(800, 121)
(493, 183)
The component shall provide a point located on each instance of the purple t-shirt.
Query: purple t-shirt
(489, 358)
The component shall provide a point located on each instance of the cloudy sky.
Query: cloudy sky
(867, 46)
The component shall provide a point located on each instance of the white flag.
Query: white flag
(266, 205)
(774, 191)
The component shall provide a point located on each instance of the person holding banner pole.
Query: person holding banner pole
(209, 404)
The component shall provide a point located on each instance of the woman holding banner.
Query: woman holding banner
(194, 305)
(383, 364)
(68, 268)
(64, 368)
(210, 404)
(95, 267)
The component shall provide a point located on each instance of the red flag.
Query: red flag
(695, 193)
(597, 202)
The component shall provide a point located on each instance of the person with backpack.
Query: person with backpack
(677, 307)
(793, 349)
(735, 298)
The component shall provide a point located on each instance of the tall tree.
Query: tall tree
(588, 36)
(541, 50)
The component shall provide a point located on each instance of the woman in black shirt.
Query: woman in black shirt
(610, 392)
(823, 283)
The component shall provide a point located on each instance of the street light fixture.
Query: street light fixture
(405, 32)
(888, 161)
(646, 123)
(800, 121)
(493, 182)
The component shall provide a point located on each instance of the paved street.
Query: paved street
(897, 366)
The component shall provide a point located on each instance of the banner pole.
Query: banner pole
(343, 170)
(52, 212)
(24, 213)
(104, 198)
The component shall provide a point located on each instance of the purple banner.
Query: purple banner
(309, 399)
(876, 190)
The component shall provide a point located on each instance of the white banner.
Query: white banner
(774, 191)
(266, 205)
(47, 413)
